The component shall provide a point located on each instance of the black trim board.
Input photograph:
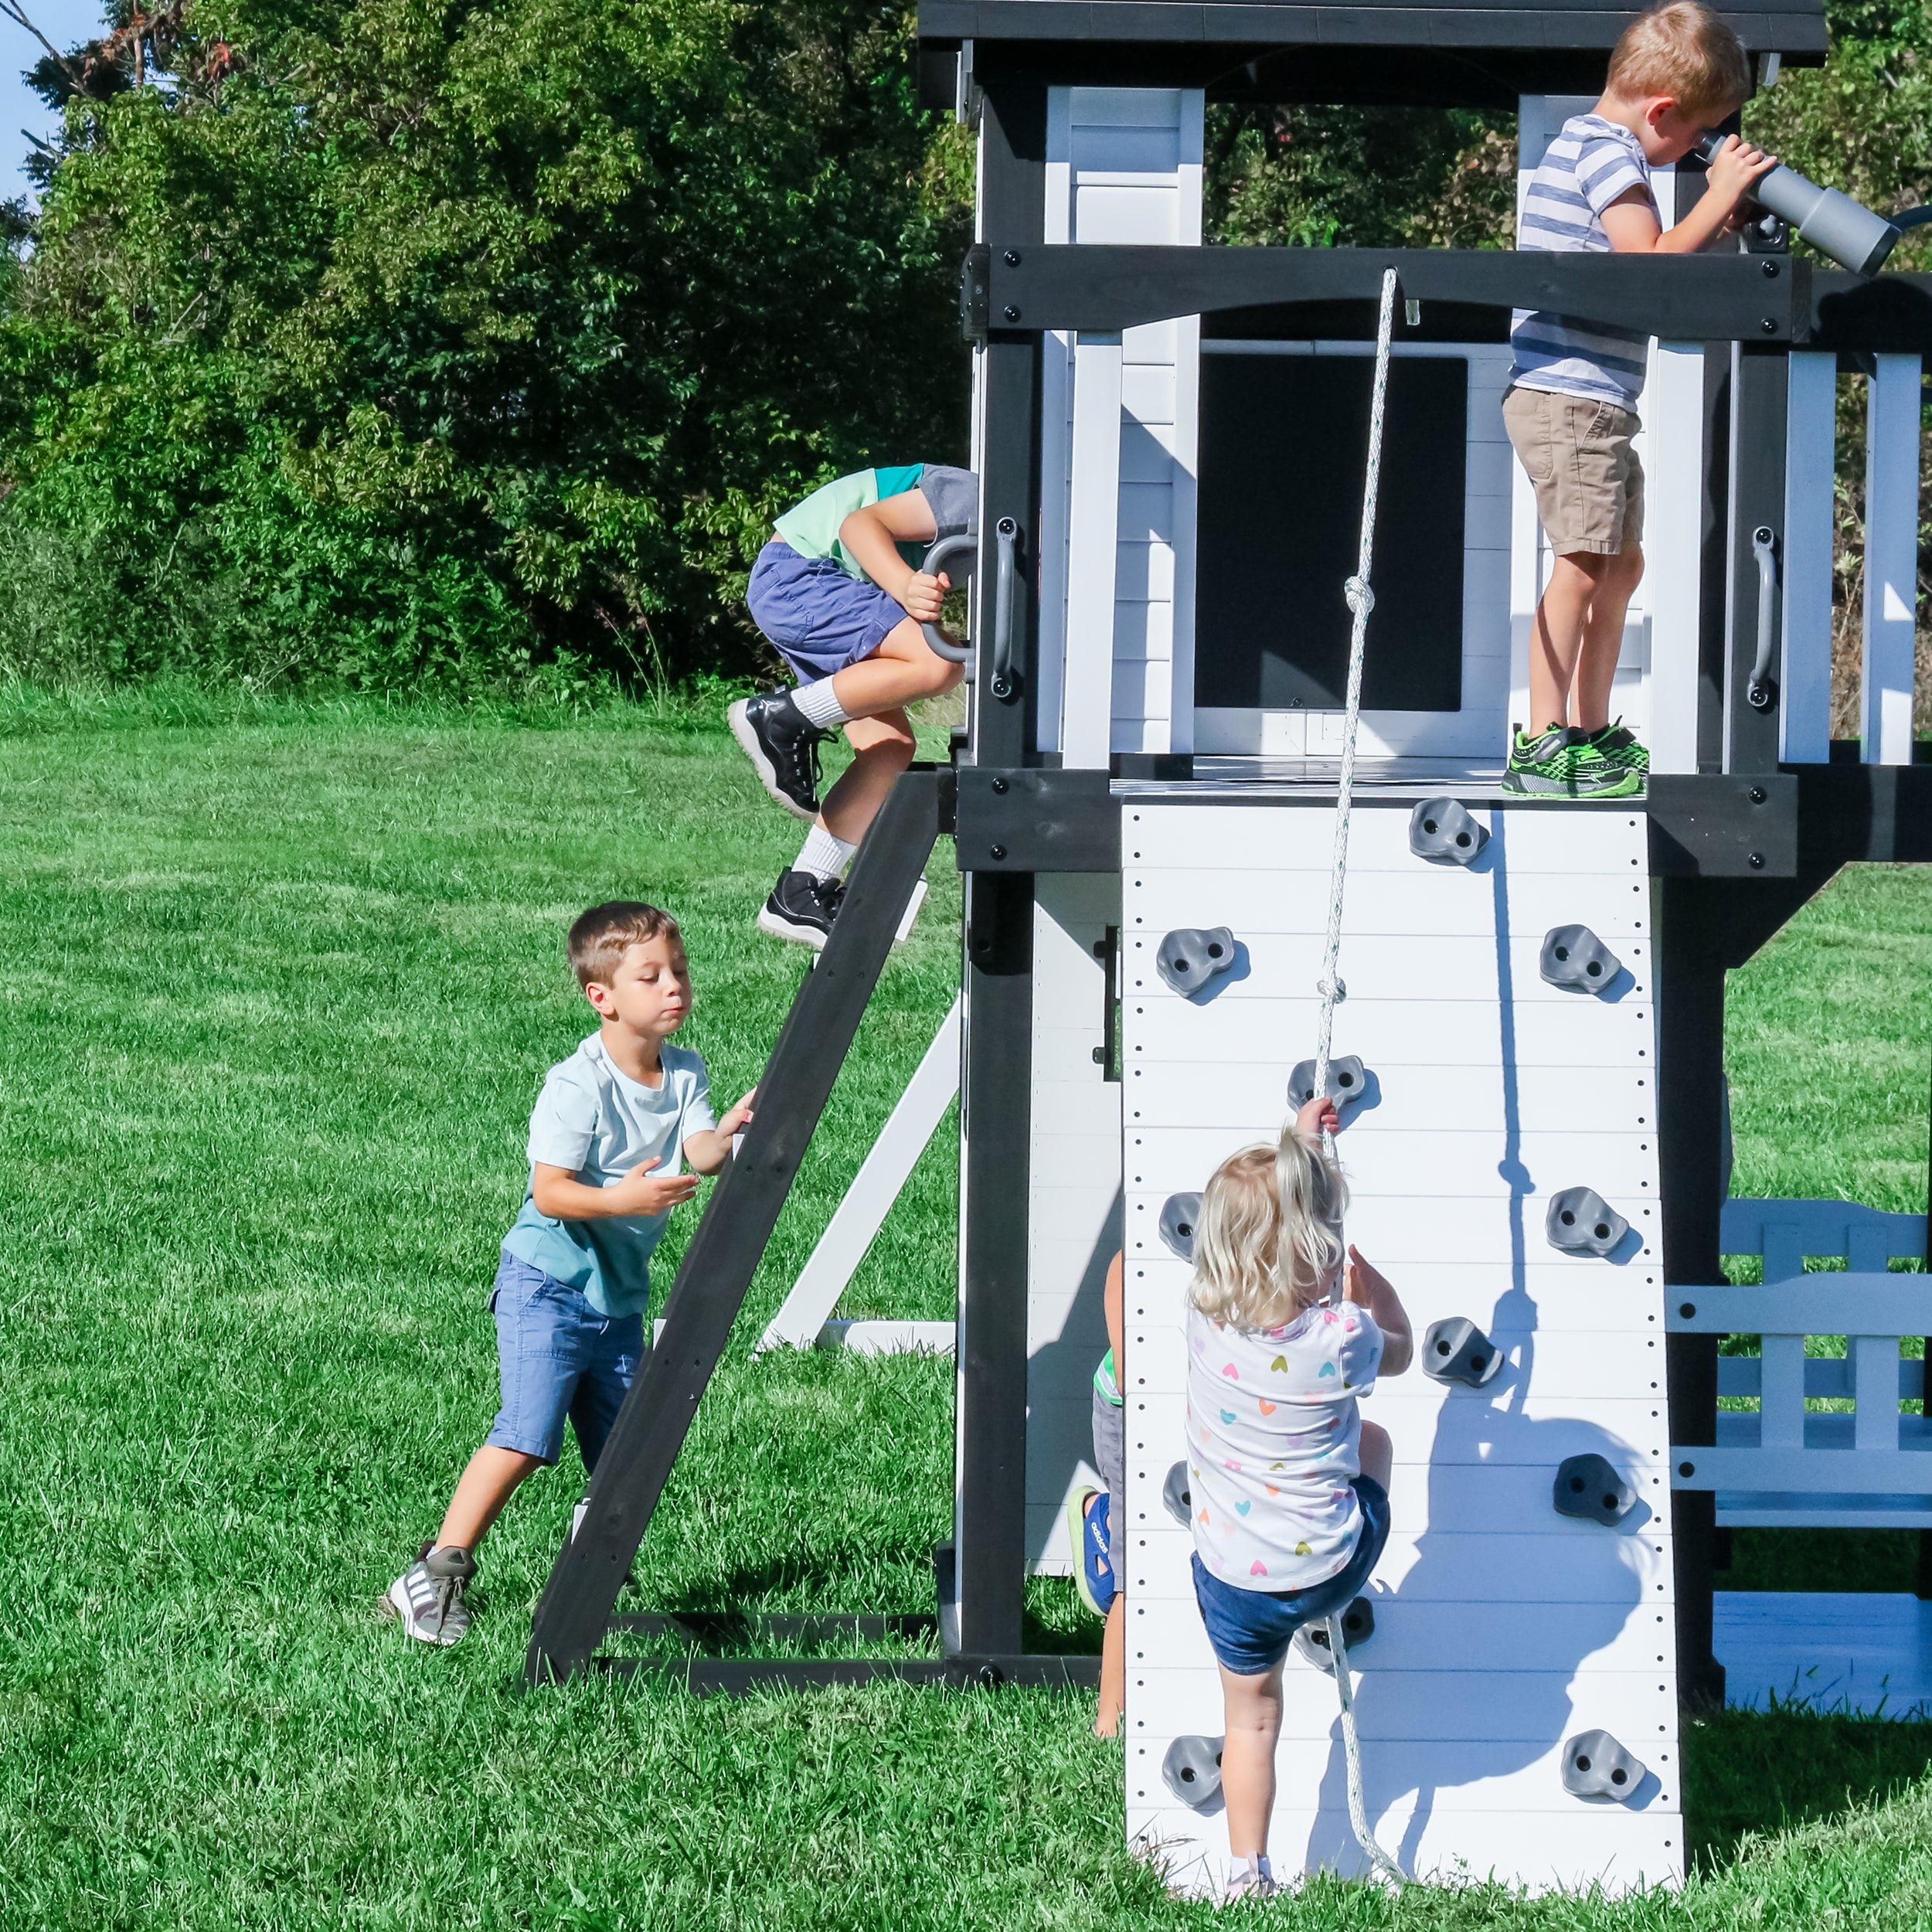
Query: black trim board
(1101, 286)
(574, 1612)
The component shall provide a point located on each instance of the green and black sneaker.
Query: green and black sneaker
(1619, 743)
(1565, 763)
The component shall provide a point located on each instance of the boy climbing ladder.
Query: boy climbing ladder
(839, 596)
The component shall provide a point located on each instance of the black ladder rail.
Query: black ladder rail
(574, 1613)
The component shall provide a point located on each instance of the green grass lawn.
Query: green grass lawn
(277, 989)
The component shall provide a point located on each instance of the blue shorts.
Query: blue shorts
(820, 619)
(1251, 1629)
(558, 1357)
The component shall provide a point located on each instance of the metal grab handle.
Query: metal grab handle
(949, 546)
(1005, 584)
(1761, 693)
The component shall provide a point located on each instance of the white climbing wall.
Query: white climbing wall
(1501, 1627)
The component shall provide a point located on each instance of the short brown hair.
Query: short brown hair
(600, 938)
(1684, 50)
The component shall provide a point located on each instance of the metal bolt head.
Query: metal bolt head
(1768, 269)
(996, 851)
(1012, 315)
(1012, 258)
(1756, 862)
(999, 785)
(1757, 794)
(1767, 327)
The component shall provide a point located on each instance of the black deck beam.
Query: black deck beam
(1101, 288)
(574, 1613)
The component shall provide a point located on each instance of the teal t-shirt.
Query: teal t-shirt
(595, 1121)
(811, 528)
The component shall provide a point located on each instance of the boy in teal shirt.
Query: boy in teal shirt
(839, 593)
(574, 1279)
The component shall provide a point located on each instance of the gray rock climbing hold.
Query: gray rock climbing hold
(1174, 1494)
(1189, 956)
(1581, 1222)
(1590, 1487)
(1595, 1765)
(1574, 958)
(1347, 1081)
(1178, 1214)
(1192, 1769)
(1458, 1351)
(1358, 1626)
(1441, 829)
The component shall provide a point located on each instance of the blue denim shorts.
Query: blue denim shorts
(820, 619)
(558, 1357)
(1251, 1629)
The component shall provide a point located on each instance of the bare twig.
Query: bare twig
(16, 13)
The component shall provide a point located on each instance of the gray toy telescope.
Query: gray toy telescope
(1833, 222)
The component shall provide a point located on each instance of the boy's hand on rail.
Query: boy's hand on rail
(739, 1118)
(924, 597)
(1318, 1117)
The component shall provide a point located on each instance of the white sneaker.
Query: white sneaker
(428, 1597)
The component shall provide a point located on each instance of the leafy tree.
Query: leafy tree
(395, 341)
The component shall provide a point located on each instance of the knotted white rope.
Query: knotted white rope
(1361, 600)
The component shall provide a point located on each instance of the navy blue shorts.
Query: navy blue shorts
(820, 619)
(1251, 1629)
(558, 1357)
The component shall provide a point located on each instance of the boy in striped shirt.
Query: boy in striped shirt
(1571, 407)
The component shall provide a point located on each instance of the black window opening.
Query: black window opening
(1283, 454)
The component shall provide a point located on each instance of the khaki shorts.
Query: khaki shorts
(1590, 485)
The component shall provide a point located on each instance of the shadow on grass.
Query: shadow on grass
(1753, 1772)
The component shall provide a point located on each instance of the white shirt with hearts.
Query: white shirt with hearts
(1275, 1440)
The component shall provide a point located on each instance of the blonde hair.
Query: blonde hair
(1684, 50)
(1268, 1239)
(600, 938)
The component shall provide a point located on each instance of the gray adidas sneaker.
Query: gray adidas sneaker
(428, 1595)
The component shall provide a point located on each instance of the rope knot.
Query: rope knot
(1360, 600)
(1334, 989)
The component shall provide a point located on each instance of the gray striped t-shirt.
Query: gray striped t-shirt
(1586, 167)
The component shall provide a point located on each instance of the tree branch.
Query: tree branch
(16, 12)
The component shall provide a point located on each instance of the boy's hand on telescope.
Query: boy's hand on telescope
(642, 1191)
(1318, 1117)
(1733, 168)
(924, 597)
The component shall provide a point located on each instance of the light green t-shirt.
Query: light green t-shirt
(811, 528)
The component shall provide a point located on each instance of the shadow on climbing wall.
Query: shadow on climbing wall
(1520, 1710)
(1060, 1426)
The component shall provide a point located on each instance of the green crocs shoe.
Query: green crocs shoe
(1564, 762)
(1619, 743)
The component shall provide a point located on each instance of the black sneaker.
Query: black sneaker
(782, 744)
(802, 907)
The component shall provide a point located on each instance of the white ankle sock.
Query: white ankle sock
(820, 704)
(824, 855)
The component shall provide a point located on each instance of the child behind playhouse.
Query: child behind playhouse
(1571, 407)
(839, 593)
(574, 1278)
(1289, 1486)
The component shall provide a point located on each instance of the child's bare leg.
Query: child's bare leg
(1254, 1707)
(1378, 1453)
(903, 670)
(1603, 637)
(486, 1485)
(1113, 1705)
(1557, 637)
(882, 748)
